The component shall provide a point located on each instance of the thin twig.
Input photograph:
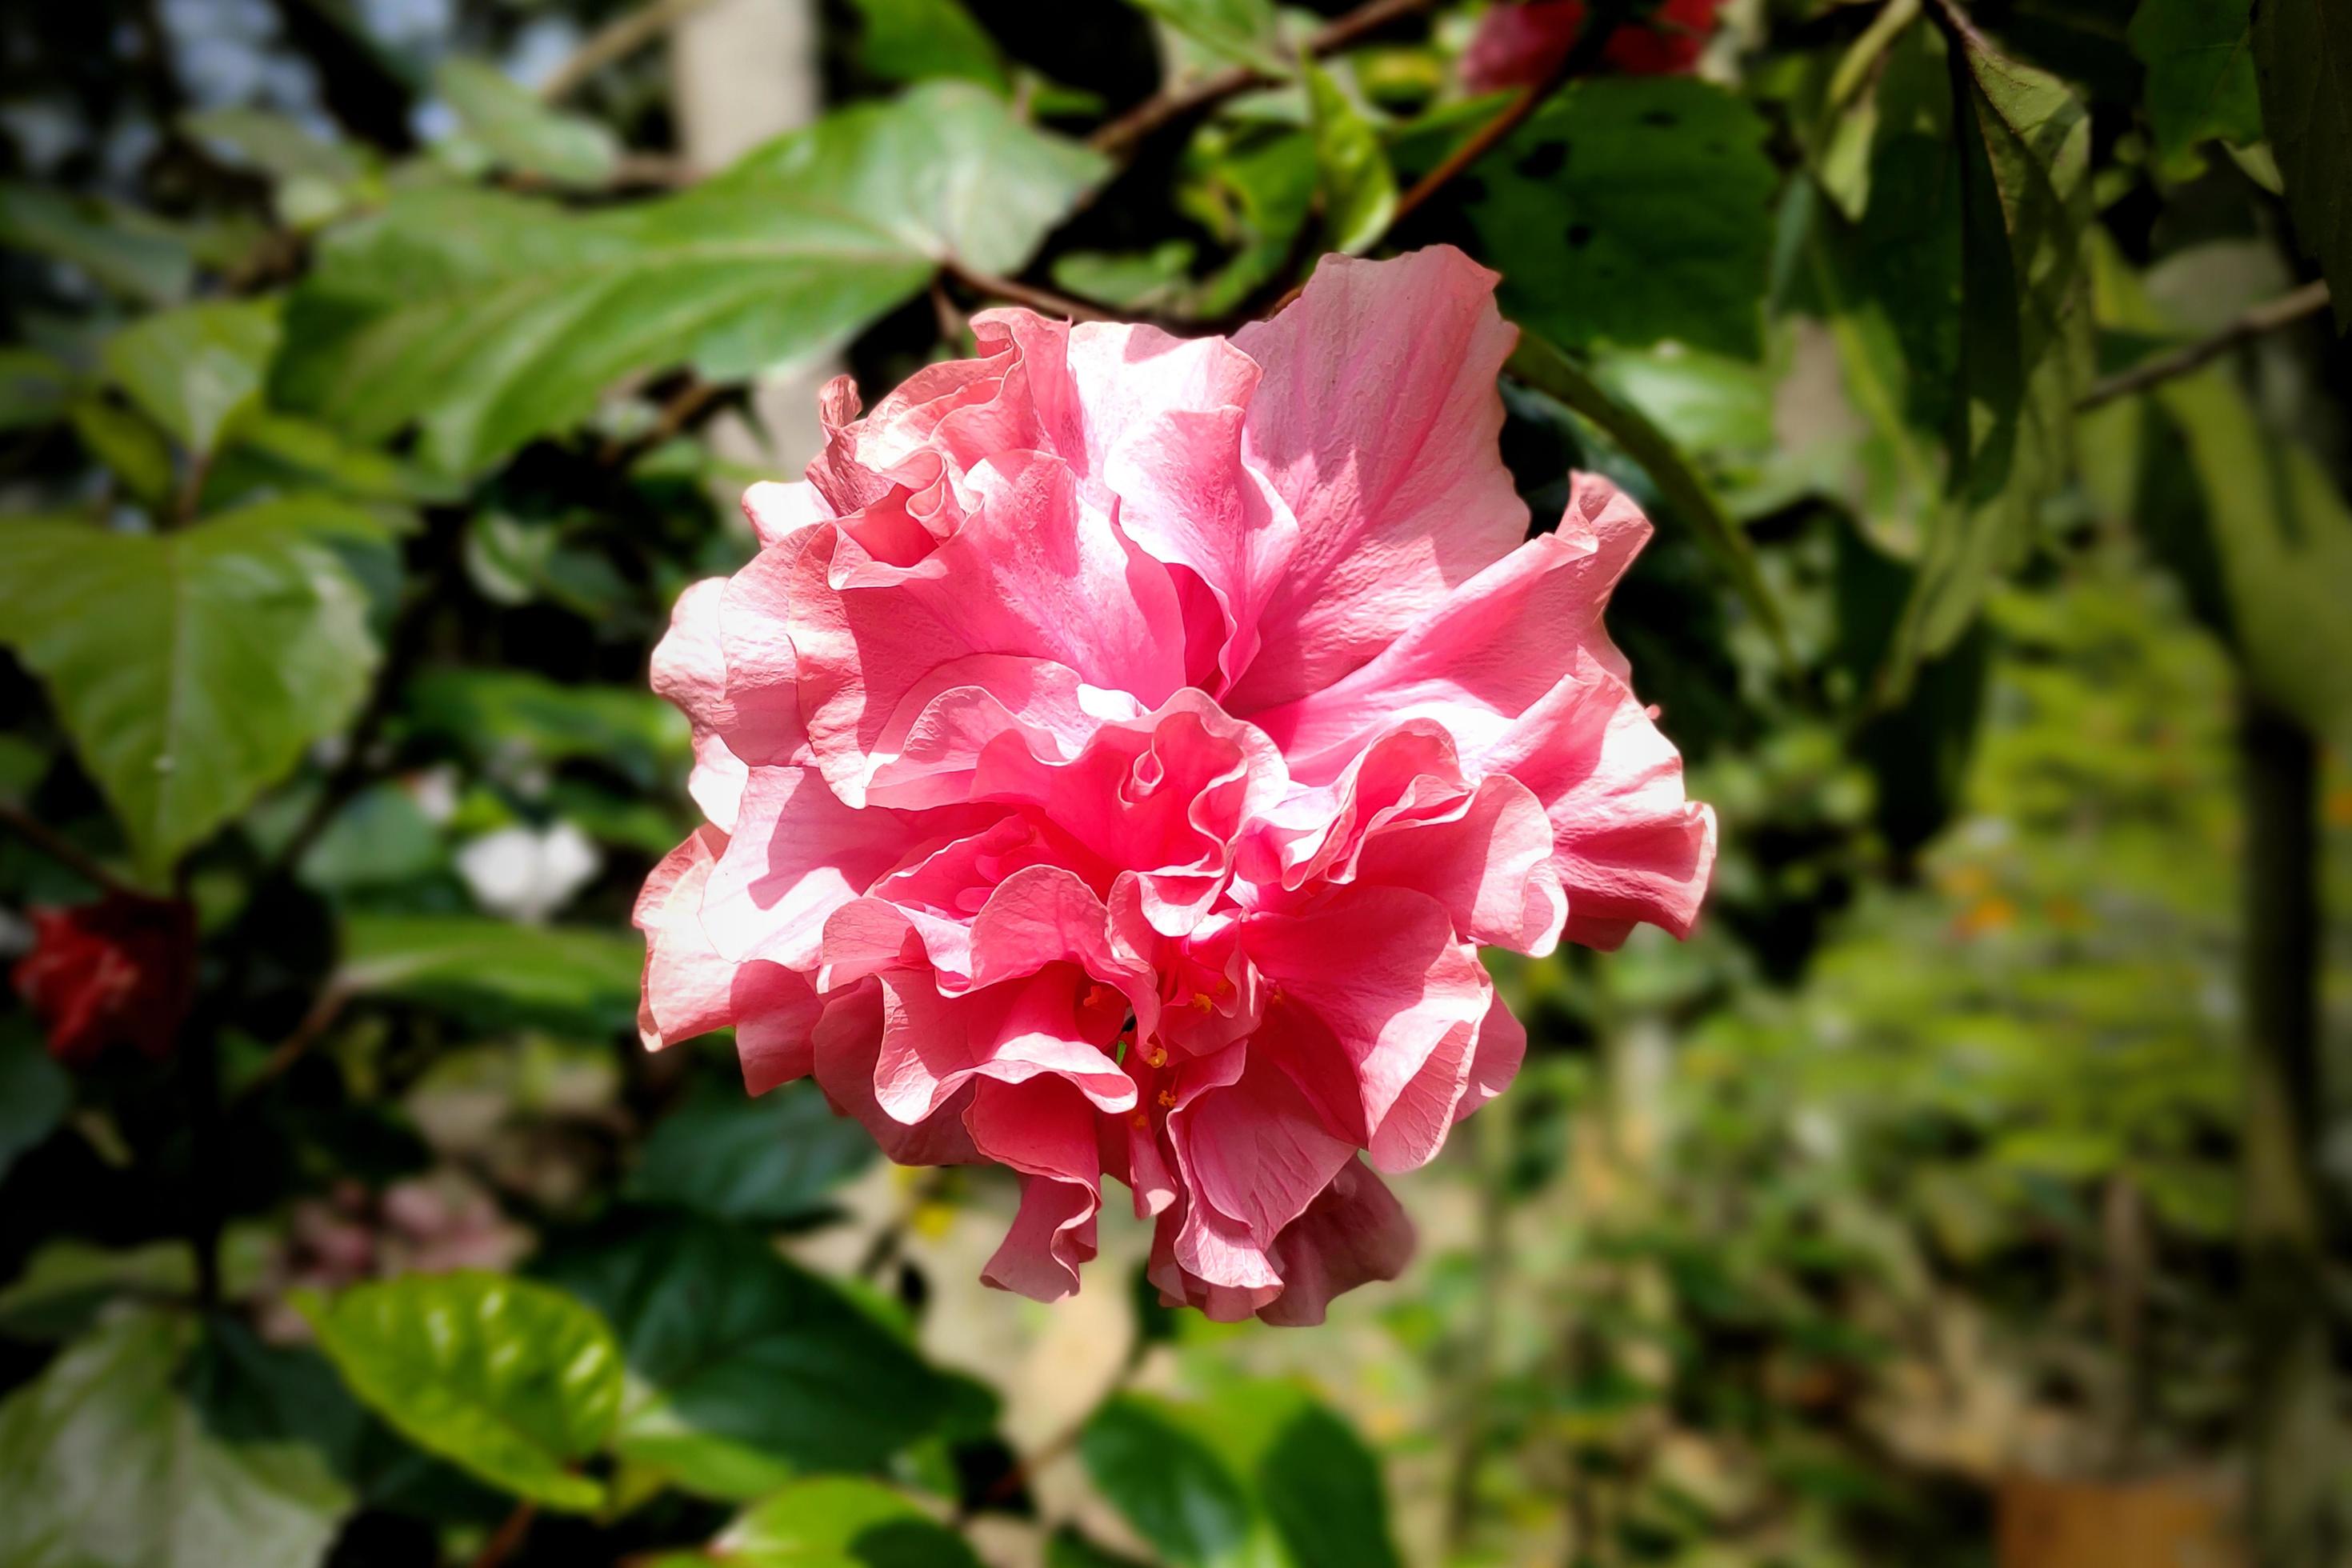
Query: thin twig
(1175, 103)
(329, 1005)
(509, 1535)
(64, 851)
(1043, 301)
(1578, 61)
(678, 412)
(2283, 312)
(622, 37)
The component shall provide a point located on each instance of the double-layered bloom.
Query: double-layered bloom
(121, 971)
(1118, 750)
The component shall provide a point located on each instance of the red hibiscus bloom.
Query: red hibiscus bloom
(123, 969)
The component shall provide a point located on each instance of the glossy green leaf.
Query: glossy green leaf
(1323, 1487)
(35, 1092)
(519, 133)
(494, 971)
(108, 1465)
(514, 1381)
(194, 369)
(1359, 191)
(2303, 56)
(742, 1366)
(492, 714)
(1240, 32)
(915, 40)
(1624, 211)
(493, 318)
(116, 249)
(832, 1523)
(1256, 198)
(192, 667)
(770, 1159)
(2201, 72)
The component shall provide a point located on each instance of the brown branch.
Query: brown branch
(65, 852)
(1175, 103)
(331, 1000)
(617, 39)
(1578, 61)
(2269, 317)
(1043, 301)
(509, 1535)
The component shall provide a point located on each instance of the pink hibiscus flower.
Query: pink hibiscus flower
(1520, 42)
(1118, 749)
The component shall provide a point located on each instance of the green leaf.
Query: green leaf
(133, 450)
(35, 1092)
(275, 144)
(33, 389)
(1242, 32)
(117, 251)
(493, 971)
(1256, 198)
(1359, 192)
(68, 1283)
(1548, 370)
(192, 667)
(917, 40)
(742, 1366)
(110, 1466)
(2303, 55)
(194, 369)
(1136, 281)
(832, 1523)
(2025, 335)
(1177, 1492)
(1624, 211)
(513, 1382)
(2283, 534)
(519, 133)
(769, 1161)
(494, 319)
(498, 714)
(1323, 1486)
(2200, 73)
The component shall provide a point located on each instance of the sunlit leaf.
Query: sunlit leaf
(514, 1381)
(832, 1523)
(194, 369)
(108, 1465)
(1242, 32)
(492, 319)
(1359, 191)
(192, 667)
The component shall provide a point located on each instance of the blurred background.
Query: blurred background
(1974, 1188)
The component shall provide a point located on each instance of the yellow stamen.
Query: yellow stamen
(1167, 1099)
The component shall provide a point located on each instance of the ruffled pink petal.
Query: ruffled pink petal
(848, 1045)
(1253, 1154)
(1494, 1061)
(1376, 421)
(934, 1044)
(777, 511)
(1489, 651)
(1631, 846)
(1045, 1129)
(1355, 1035)
(1035, 575)
(1354, 1233)
(687, 986)
(798, 854)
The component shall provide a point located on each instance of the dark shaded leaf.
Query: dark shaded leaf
(2303, 55)
(769, 1161)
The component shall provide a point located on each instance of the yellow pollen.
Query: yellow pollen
(1167, 1099)
(1157, 1055)
(1204, 1001)
(1140, 1122)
